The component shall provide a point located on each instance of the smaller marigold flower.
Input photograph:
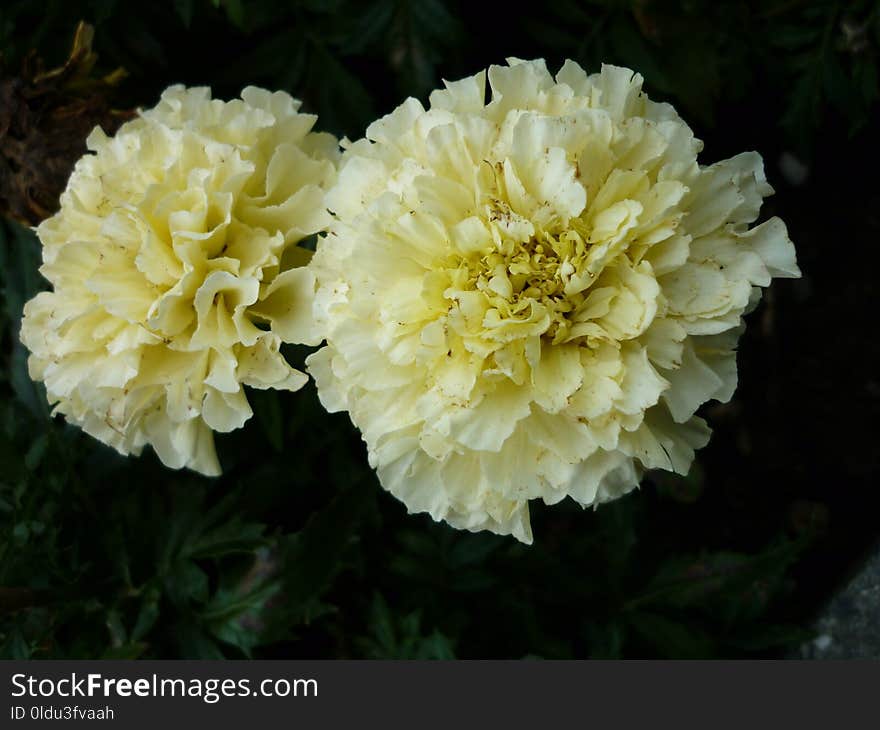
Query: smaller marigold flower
(175, 271)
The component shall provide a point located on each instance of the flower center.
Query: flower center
(542, 279)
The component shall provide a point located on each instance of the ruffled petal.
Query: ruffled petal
(529, 297)
(176, 273)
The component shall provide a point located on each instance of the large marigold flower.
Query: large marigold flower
(531, 297)
(175, 271)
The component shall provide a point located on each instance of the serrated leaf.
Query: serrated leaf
(732, 585)
(228, 604)
(194, 643)
(393, 637)
(118, 634)
(436, 647)
(381, 623)
(312, 556)
(147, 616)
(234, 537)
(186, 582)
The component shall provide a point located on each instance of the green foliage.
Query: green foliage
(401, 637)
(352, 59)
(296, 551)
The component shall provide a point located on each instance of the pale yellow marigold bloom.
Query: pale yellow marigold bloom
(530, 298)
(175, 271)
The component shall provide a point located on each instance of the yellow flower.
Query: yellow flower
(175, 271)
(530, 298)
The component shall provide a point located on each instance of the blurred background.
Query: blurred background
(296, 552)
